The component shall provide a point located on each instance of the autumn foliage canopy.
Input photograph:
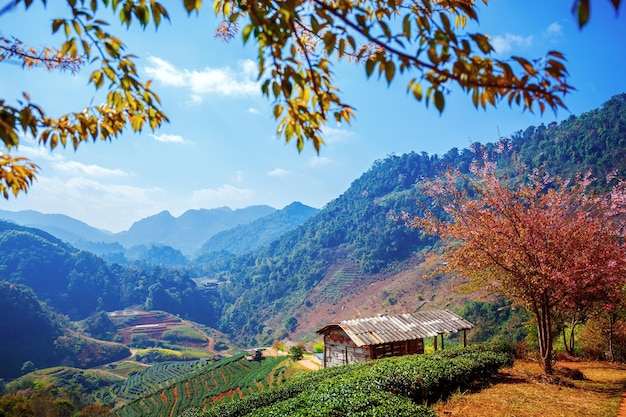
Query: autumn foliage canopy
(549, 243)
(298, 42)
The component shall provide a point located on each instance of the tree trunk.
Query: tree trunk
(572, 338)
(611, 352)
(569, 337)
(564, 334)
(544, 334)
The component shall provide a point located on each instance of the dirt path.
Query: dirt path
(309, 363)
(211, 341)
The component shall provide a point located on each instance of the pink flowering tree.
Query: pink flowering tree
(550, 244)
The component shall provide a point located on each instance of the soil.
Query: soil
(154, 324)
(406, 291)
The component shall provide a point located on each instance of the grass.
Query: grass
(524, 391)
(124, 369)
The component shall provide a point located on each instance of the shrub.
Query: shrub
(296, 352)
(386, 387)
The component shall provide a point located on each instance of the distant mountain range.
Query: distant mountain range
(256, 234)
(189, 231)
(63, 227)
(186, 234)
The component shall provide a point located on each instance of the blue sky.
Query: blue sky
(220, 147)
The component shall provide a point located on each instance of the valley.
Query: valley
(166, 321)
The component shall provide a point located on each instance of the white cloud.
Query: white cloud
(278, 172)
(225, 195)
(37, 153)
(223, 81)
(107, 206)
(554, 32)
(506, 43)
(166, 73)
(58, 162)
(333, 135)
(316, 161)
(78, 168)
(195, 99)
(166, 138)
(554, 29)
(252, 110)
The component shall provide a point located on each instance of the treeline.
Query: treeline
(594, 141)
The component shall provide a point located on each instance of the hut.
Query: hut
(364, 339)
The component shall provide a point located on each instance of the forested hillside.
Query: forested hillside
(77, 283)
(35, 336)
(357, 232)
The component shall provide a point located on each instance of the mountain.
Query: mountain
(160, 233)
(251, 236)
(63, 227)
(188, 232)
(76, 283)
(353, 258)
(34, 336)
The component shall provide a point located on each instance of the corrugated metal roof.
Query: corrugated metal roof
(408, 326)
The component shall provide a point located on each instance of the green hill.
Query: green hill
(87, 385)
(322, 270)
(77, 283)
(36, 337)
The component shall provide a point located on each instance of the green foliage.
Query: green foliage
(394, 386)
(60, 391)
(78, 283)
(155, 255)
(142, 341)
(27, 367)
(21, 310)
(151, 355)
(220, 345)
(82, 352)
(52, 342)
(296, 352)
(497, 322)
(99, 326)
(194, 384)
(591, 141)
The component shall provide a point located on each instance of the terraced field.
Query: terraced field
(168, 389)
